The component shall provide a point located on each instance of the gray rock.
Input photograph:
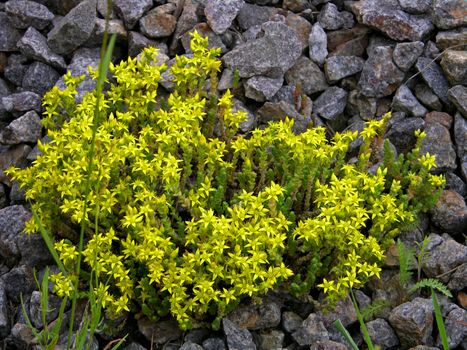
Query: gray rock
(382, 334)
(276, 111)
(251, 15)
(74, 29)
(317, 43)
(115, 26)
(22, 102)
(135, 346)
(426, 96)
(159, 332)
(456, 330)
(406, 102)
(431, 51)
(433, 77)
(196, 335)
(330, 18)
(187, 20)
(311, 330)
(214, 344)
(15, 69)
(24, 13)
(9, 35)
(39, 78)
(438, 143)
(102, 8)
(271, 55)
(458, 96)
(450, 213)
(17, 194)
(18, 281)
(261, 88)
(344, 311)
(331, 103)
(13, 156)
(35, 309)
(306, 74)
(360, 105)
(131, 10)
(157, 24)
(301, 26)
(273, 339)
(455, 37)
(191, 346)
(455, 183)
(447, 14)
(458, 280)
(416, 6)
(237, 338)
(21, 336)
(380, 76)
(348, 42)
(291, 321)
(454, 64)
(34, 45)
(423, 347)
(26, 128)
(266, 315)
(405, 54)
(137, 42)
(4, 313)
(339, 67)
(387, 17)
(214, 40)
(460, 136)
(413, 322)
(221, 13)
(328, 345)
(377, 40)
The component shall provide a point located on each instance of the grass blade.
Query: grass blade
(439, 321)
(340, 327)
(366, 335)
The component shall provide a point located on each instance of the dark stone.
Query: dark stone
(191, 346)
(450, 213)
(271, 55)
(24, 13)
(455, 325)
(455, 37)
(454, 64)
(266, 315)
(214, 40)
(416, 6)
(361, 106)
(458, 96)
(348, 42)
(431, 51)
(339, 67)
(301, 27)
(296, 5)
(330, 18)
(382, 334)
(214, 344)
(261, 88)
(9, 35)
(4, 313)
(405, 54)
(449, 14)
(13, 156)
(115, 26)
(220, 13)
(131, 10)
(406, 102)
(328, 345)
(159, 332)
(34, 45)
(35, 309)
(21, 337)
(137, 42)
(458, 281)
(19, 281)
(344, 311)
(250, 121)
(22, 102)
(26, 128)
(39, 78)
(16, 68)
(401, 133)
(311, 330)
(460, 136)
(187, 20)
(74, 29)
(380, 76)
(134, 346)
(273, 339)
(158, 23)
(276, 111)
(251, 15)
(17, 194)
(455, 183)
(433, 77)
(331, 103)
(307, 75)
(426, 96)
(438, 143)
(237, 338)
(318, 44)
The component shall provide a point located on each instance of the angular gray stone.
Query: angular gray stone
(449, 14)
(4, 313)
(382, 334)
(22, 102)
(115, 26)
(13, 156)
(191, 346)
(460, 136)
(380, 76)
(187, 20)
(306, 74)
(433, 76)
(39, 78)
(317, 43)
(438, 143)
(15, 69)
(261, 88)
(35, 309)
(273, 339)
(361, 106)
(406, 102)
(18, 281)
(458, 96)
(74, 29)
(271, 55)
(344, 311)
(214, 344)
(159, 332)
(157, 24)
(9, 35)
(388, 17)
(426, 96)
(277, 111)
(339, 67)
(34, 45)
(237, 338)
(405, 54)
(26, 128)
(266, 315)
(331, 103)
(413, 322)
(328, 345)
(214, 40)
(456, 330)
(458, 279)
(221, 13)
(291, 321)
(311, 330)
(455, 37)
(454, 64)
(330, 18)
(455, 183)
(251, 15)
(134, 346)
(17, 194)
(416, 6)
(24, 13)
(401, 133)
(137, 42)
(131, 10)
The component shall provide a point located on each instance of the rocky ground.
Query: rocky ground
(349, 61)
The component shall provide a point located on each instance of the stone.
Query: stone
(460, 136)
(18, 281)
(159, 332)
(134, 346)
(74, 29)
(214, 40)
(344, 311)
(311, 330)
(454, 37)
(24, 13)
(17, 194)
(317, 44)
(251, 15)
(328, 345)
(331, 103)
(458, 281)
(330, 18)
(157, 24)
(191, 346)
(348, 42)
(115, 26)
(406, 54)
(360, 105)
(388, 17)
(26, 128)
(339, 67)
(4, 91)
(426, 96)
(406, 102)
(416, 6)
(449, 14)
(380, 76)
(39, 78)
(413, 322)
(34, 45)
(266, 315)
(137, 42)
(455, 183)
(21, 337)
(458, 96)
(301, 27)
(433, 76)
(22, 102)
(271, 55)
(237, 338)
(35, 309)
(131, 10)
(450, 213)
(187, 20)
(454, 64)
(439, 117)
(4, 313)
(277, 111)
(221, 13)
(306, 74)
(438, 143)
(382, 334)
(273, 339)
(291, 321)
(214, 344)
(456, 330)
(102, 9)
(261, 88)
(13, 156)
(15, 69)
(9, 35)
